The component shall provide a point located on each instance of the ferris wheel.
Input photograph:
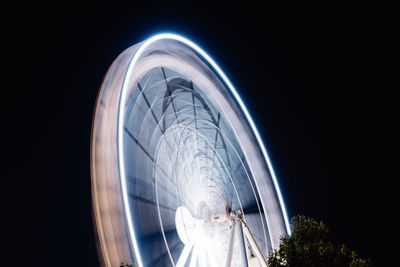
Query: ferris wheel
(180, 175)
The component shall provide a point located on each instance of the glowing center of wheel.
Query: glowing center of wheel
(198, 178)
(202, 237)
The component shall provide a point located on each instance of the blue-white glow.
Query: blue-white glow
(121, 117)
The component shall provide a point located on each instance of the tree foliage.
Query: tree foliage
(309, 246)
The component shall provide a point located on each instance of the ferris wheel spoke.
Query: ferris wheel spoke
(216, 132)
(168, 94)
(231, 245)
(184, 256)
(149, 106)
(126, 130)
(134, 197)
(253, 209)
(194, 257)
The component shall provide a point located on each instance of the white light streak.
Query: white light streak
(121, 117)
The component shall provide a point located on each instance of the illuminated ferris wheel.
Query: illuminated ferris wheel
(180, 176)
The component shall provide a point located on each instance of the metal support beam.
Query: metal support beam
(240, 241)
(253, 243)
(231, 244)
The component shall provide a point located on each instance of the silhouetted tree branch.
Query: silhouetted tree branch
(309, 246)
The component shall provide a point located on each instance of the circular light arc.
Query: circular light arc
(121, 115)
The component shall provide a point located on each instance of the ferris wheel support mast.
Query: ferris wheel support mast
(241, 242)
(237, 217)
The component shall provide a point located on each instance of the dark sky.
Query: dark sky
(309, 73)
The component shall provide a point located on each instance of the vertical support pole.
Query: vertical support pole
(253, 244)
(241, 244)
(231, 244)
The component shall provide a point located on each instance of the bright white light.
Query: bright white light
(200, 235)
(121, 117)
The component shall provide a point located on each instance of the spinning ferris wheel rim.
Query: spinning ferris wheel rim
(232, 89)
(137, 52)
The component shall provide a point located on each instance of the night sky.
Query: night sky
(309, 74)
